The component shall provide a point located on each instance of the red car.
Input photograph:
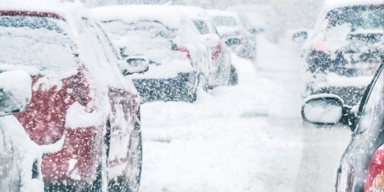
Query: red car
(84, 114)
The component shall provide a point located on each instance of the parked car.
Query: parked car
(180, 57)
(344, 50)
(20, 158)
(84, 114)
(236, 32)
(361, 166)
(221, 70)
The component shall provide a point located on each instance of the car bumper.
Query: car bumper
(77, 161)
(179, 88)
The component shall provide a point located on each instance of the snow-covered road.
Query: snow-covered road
(247, 137)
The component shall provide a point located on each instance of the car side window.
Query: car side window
(372, 113)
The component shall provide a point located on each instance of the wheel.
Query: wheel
(233, 79)
(130, 180)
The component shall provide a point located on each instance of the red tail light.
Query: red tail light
(216, 51)
(320, 47)
(375, 175)
(184, 49)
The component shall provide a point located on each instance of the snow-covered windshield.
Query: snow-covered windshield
(224, 21)
(358, 17)
(36, 44)
(152, 39)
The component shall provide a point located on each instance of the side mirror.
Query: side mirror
(134, 64)
(256, 31)
(15, 92)
(300, 36)
(210, 40)
(323, 109)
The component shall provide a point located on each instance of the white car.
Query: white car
(20, 158)
(182, 48)
(235, 30)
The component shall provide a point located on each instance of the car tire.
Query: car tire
(233, 78)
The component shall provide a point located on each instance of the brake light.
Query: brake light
(216, 51)
(375, 176)
(320, 47)
(184, 49)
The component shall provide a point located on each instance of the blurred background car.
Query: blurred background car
(20, 158)
(183, 52)
(84, 114)
(221, 70)
(361, 167)
(236, 32)
(344, 50)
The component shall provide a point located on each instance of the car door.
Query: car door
(123, 104)
(366, 138)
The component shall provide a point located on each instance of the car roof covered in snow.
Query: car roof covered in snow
(333, 4)
(167, 15)
(64, 8)
(215, 12)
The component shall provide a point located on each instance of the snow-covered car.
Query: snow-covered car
(264, 18)
(361, 166)
(221, 71)
(180, 57)
(232, 28)
(84, 114)
(20, 158)
(344, 50)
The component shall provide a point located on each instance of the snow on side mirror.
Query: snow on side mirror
(15, 92)
(135, 64)
(210, 40)
(322, 109)
(300, 37)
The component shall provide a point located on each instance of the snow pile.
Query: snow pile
(15, 91)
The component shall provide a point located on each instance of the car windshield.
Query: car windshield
(36, 44)
(225, 21)
(358, 17)
(149, 38)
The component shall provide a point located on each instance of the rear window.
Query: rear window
(224, 21)
(358, 17)
(201, 26)
(36, 44)
(150, 38)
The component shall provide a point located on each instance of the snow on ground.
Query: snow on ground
(228, 140)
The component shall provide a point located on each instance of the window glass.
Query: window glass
(201, 26)
(373, 110)
(37, 44)
(224, 21)
(358, 17)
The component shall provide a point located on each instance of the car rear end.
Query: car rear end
(232, 30)
(158, 34)
(48, 51)
(219, 60)
(344, 54)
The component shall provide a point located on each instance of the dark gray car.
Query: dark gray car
(361, 167)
